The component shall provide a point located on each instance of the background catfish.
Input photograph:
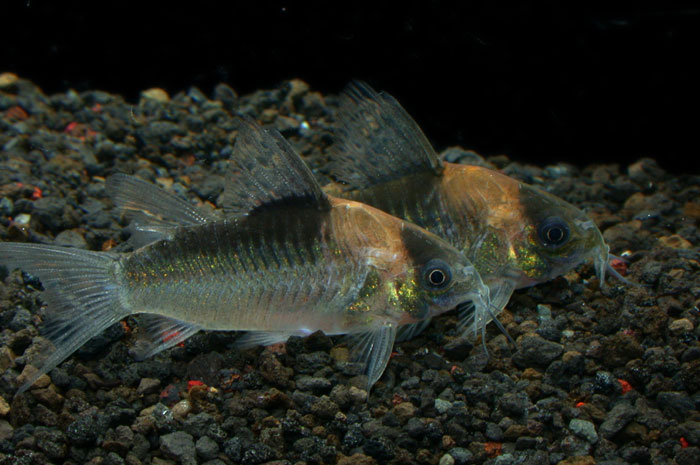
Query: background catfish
(515, 234)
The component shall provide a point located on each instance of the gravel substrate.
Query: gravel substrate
(597, 376)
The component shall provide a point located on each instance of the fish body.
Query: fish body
(515, 234)
(499, 222)
(340, 271)
(286, 259)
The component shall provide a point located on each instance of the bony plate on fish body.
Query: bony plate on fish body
(285, 259)
(515, 234)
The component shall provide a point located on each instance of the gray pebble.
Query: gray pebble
(159, 132)
(21, 319)
(147, 386)
(113, 459)
(442, 406)
(691, 431)
(514, 403)
(313, 384)
(616, 419)
(575, 446)
(84, 430)
(465, 157)
(206, 448)
(51, 442)
(225, 95)
(688, 456)
(380, 448)
(536, 352)
(179, 446)
(644, 171)
(675, 404)
(71, 238)
(493, 432)
(504, 459)
(6, 430)
(461, 455)
(233, 449)
(584, 429)
(6, 206)
(324, 408)
(49, 211)
(257, 453)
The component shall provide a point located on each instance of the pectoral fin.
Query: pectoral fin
(373, 349)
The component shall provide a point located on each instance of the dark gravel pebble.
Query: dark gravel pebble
(206, 448)
(533, 351)
(607, 376)
(179, 446)
(616, 419)
(688, 456)
(257, 453)
(85, 430)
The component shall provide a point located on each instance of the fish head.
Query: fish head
(441, 276)
(554, 238)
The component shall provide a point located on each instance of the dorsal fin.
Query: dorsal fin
(377, 141)
(265, 171)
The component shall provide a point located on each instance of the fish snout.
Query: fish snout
(475, 289)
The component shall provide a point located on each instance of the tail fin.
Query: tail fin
(81, 290)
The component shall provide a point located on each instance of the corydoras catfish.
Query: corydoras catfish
(515, 234)
(286, 259)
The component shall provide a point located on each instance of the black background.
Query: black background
(538, 81)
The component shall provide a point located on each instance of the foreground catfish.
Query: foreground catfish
(515, 234)
(287, 259)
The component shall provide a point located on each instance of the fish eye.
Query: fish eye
(437, 274)
(553, 232)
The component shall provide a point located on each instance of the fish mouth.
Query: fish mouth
(473, 316)
(603, 265)
(602, 256)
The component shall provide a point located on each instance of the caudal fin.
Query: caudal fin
(82, 293)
